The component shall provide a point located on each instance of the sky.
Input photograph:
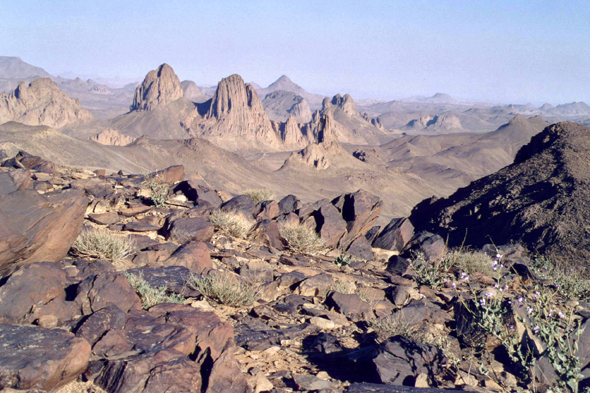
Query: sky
(499, 51)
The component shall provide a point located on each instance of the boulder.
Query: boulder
(183, 230)
(330, 225)
(289, 204)
(395, 235)
(37, 358)
(103, 289)
(30, 289)
(172, 174)
(37, 227)
(361, 248)
(399, 360)
(19, 179)
(350, 305)
(431, 246)
(240, 203)
(360, 210)
(199, 194)
(194, 255)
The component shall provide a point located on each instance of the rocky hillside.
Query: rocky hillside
(152, 283)
(540, 200)
(41, 102)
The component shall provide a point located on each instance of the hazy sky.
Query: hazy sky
(505, 51)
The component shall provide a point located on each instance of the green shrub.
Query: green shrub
(569, 282)
(103, 244)
(235, 224)
(260, 195)
(431, 273)
(302, 239)
(222, 288)
(343, 260)
(159, 191)
(150, 296)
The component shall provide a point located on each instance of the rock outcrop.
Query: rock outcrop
(540, 200)
(279, 105)
(41, 102)
(160, 87)
(112, 138)
(324, 143)
(236, 119)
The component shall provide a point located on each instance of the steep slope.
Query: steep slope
(41, 102)
(160, 87)
(541, 199)
(15, 68)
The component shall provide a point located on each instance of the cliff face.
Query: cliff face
(159, 87)
(236, 119)
(41, 102)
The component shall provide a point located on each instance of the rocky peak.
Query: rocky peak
(236, 118)
(159, 87)
(344, 103)
(41, 102)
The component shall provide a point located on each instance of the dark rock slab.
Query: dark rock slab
(183, 230)
(395, 235)
(174, 278)
(37, 358)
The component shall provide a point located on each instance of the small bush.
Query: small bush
(569, 282)
(222, 288)
(302, 239)
(472, 262)
(431, 273)
(159, 191)
(235, 224)
(260, 195)
(150, 296)
(343, 260)
(393, 325)
(103, 244)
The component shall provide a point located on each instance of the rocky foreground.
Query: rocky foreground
(143, 283)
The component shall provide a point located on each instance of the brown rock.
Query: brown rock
(30, 289)
(172, 174)
(360, 210)
(37, 227)
(104, 218)
(183, 230)
(37, 358)
(318, 285)
(330, 225)
(97, 292)
(395, 235)
(193, 255)
(350, 305)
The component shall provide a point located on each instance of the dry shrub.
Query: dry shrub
(302, 239)
(103, 244)
(260, 195)
(222, 288)
(233, 223)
